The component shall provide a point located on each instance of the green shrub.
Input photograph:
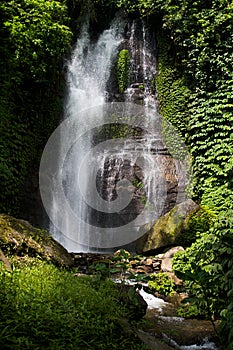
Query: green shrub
(199, 222)
(206, 267)
(188, 310)
(162, 284)
(34, 39)
(43, 307)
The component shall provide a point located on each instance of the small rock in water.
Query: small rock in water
(166, 265)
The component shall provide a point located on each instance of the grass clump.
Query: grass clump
(44, 307)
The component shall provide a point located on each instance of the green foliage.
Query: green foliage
(142, 7)
(118, 130)
(43, 307)
(197, 53)
(188, 310)
(34, 39)
(207, 269)
(195, 82)
(205, 61)
(199, 222)
(172, 93)
(105, 268)
(218, 197)
(162, 284)
(173, 97)
(202, 38)
(101, 270)
(211, 140)
(201, 271)
(194, 87)
(225, 231)
(123, 69)
(37, 34)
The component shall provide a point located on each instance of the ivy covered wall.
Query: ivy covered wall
(34, 39)
(195, 84)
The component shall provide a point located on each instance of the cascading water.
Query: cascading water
(90, 67)
(88, 74)
(143, 65)
(122, 187)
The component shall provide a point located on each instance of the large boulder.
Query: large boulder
(20, 239)
(167, 229)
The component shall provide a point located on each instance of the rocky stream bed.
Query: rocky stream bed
(161, 328)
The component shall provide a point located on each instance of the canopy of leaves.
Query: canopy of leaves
(37, 34)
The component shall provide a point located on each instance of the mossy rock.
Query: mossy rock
(18, 238)
(168, 229)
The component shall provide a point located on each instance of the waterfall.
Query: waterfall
(88, 73)
(90, 66)
(110, 180)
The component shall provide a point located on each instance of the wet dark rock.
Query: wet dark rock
(182, 331)
(152, 342)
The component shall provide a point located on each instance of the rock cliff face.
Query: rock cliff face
(140, 91)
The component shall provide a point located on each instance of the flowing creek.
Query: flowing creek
(163, 329)
(161, 312)
(176, 332)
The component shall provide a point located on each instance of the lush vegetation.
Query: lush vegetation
(162, 284)
(43, 307)
(203, 65)
(34, 39)
(195, 89)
